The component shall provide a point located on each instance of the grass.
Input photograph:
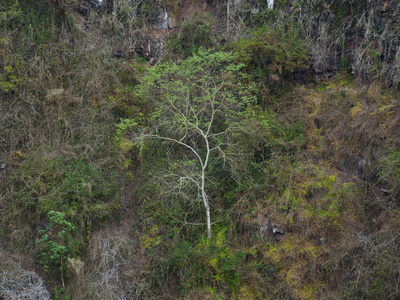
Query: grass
(72, 184)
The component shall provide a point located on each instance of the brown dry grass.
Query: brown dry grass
(112, 270)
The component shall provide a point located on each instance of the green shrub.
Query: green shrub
(69, 197)
(195, 34)
(272, 52)
(56, 243)
(212, 264)
(390, 174)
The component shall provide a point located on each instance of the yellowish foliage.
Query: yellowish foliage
(151, 238)
(356, 110)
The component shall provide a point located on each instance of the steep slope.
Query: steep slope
(303, 183)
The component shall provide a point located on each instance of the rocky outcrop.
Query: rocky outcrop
(151, 47)
(268, 229)
(367, 42)
(98, 3)
(84, 6)
(162, 19)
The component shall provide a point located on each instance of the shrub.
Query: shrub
(271, 52)
(390, 174)
(195, 34)
(56, 243)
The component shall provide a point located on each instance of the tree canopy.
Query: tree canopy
(197, 106)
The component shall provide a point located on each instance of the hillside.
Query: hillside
(209, 149)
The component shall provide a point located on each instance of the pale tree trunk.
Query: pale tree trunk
(200, 185)
(203, 191)
(208, 136)
(207, 206)
(203, 171)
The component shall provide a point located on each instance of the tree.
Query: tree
(198, 105)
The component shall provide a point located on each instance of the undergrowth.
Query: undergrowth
(319, 161)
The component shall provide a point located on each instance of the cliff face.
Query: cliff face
(359, 35)
(302, 180)
(362, 35)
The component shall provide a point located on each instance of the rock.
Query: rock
(278, 232)
(362, 168)
(3, 165)
(81, 6)
(266, 230)
(98, 3)
(171, 22)
(344, 166)
(385, 187)
(150, 48)
(160, 20)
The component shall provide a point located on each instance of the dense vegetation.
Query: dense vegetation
(257, 158)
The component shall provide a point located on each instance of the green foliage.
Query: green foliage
(256, 140)
(225, 263)
(390, 174)
(64, 154)
(12, 67)
(124, 125)
(272, 52)
(26, 19)
(215, 264)
(56, 243)
(60, 294)
(71, 195)
(336, 200)
(194, 35)
(62, 185)
(10, 11)
(203, 82)
(198, 108)
(344, 64)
